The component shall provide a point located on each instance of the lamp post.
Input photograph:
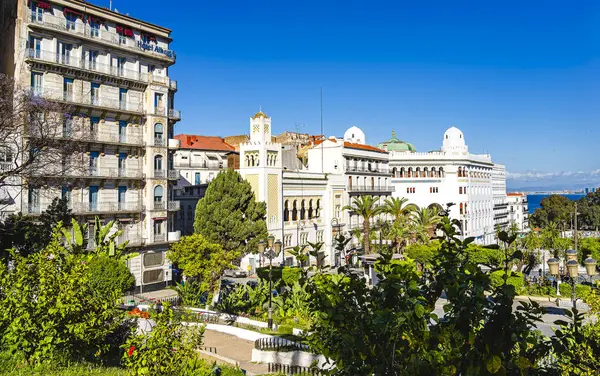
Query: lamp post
(572, 270)
(271, 251)
(335, 227)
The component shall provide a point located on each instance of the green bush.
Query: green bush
(109, 274)
(514, 279)
(263, 273)
(49, 311)
(285, 329)
(289, 276)
(581, 291)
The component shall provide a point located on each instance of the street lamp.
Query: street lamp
(572, 270)
(272, 250)
(335, 226)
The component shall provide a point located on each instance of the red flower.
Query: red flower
(130, 351)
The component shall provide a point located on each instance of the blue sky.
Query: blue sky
(520, 78)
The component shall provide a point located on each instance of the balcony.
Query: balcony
(71, 61)
(173, 84)
(87, 100)
(173, 174)
(174, 144)
(174, 114)
(106, 207)
(159, 238)
(160, 174)
(113, 173)
(6, 166)
(98, 35)
(132, 238)
(34, 209)
(113, 138)
(174, 236)
(173, 205)
(159, 141)
(159, 111)
(372, 169)
(370, 189)
(159, 205)
(210, 165)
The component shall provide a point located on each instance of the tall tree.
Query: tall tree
(229, 214)
(554, 208)
(397, 208)
(366, 207)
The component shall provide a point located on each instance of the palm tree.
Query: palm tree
(366, 207)
(425, 220)
(513, 229)
(396, 207)
(550, 236)
(399, 232)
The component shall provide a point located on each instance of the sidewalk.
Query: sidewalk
(231, 348)
(548, 301)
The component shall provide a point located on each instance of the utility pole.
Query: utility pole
(575, 233)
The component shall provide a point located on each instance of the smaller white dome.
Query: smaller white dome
(454, 141)
(355, 135)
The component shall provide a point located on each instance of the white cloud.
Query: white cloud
(538, 176)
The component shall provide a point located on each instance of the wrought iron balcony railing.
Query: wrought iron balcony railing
(87, 100)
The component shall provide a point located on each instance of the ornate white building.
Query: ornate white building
(451, 175)
(518, 210)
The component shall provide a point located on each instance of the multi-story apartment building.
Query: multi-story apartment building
(451, 175)
(112, 72)
(200, 158)
(501, 215)
(518, 210)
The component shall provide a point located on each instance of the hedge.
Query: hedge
(581, 291)
(263, 273)
(291, 275)
(514, 279)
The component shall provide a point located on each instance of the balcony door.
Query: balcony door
(122, 163)
(67, 126)
(123, 99)
(94, 163)
(68, 89)
(37, 13)
(35, 47)
(34, 199)
(36, 83)
(122, 131)
(93, 198)
(93, 60)
(95, 94)
(121, 66)
(158, 197)
(65, 194)
(121, 197)
(158, 134)
(94, 121)
(65, 53)
(197, 178)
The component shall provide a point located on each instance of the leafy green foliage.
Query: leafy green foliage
(424, 254)
(108, 274)
(229, 214)
(49, 309)
(290, 276)
(276, 273)
(169, 349)
(201, 259)
(514, 279)
(191, 293)
(244, 299)
(366, 207)
(28, 234)
(581, 291)
(554, 208)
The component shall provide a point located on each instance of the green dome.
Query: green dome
(394, 144)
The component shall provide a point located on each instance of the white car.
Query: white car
(235, 273)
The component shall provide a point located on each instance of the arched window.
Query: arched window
(372, 183)
(365, 182)
(433, 173)
(410, 170)
(417, 172)
(158, 133)
(294, 211)
(426, 172)
(402, 172)
(460, 172)
(394, 172)
(461, 208)
(158, 163)
(158, 193)
(350, 182)
(318, 209)
(441, 172)
(310, 209)
(466, 211)
(302, 211)
(286, 211)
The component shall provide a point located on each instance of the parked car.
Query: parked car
(235, 273)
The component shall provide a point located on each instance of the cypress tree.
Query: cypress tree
(229, 215)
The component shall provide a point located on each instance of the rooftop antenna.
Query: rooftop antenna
(110, 5)
(322, 134)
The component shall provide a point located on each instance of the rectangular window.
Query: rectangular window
(123, 99)
(67, 126)
(37, 13)
(65, 194)
(94, 163)
(460, 190)
(122, 131)
(71, 21)
(159, 107)
(94, 121)
(153, 259)
(121, 197)
(35, 47)
(95, 94)
(68, 89)
(36, 83)
(34, 199)
(153, 276)
(122, 163)
(93, 198)
(93, 60)
(94, 28)
(197, 178)
(65, 53)
(121, 66)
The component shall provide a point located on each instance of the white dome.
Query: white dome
(355, 135)
(454, 140)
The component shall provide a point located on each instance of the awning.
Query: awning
(159, 218)
(68, 10)
(213, 157)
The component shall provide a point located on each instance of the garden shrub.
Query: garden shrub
(514, 279)
(169, 349)
(289, 276)
(263, 273)
(581, 291)
(49, 311)
(109, 274)
(285, 329)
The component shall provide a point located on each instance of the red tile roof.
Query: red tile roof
(515, 194)
(192, 141)
(353, 146)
